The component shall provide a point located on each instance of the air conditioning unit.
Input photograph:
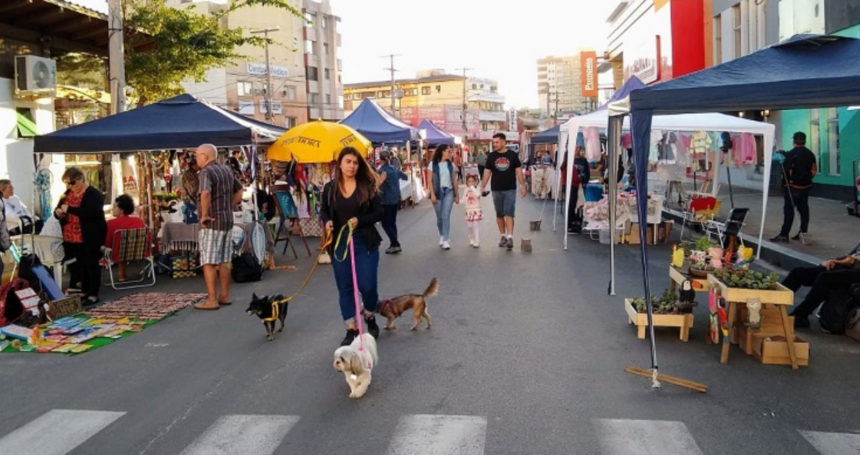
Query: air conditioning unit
(35, 74)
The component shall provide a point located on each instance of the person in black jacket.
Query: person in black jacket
(353, 199)
(799, 169)
(84, 229)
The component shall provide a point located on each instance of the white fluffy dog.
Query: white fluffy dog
(356, 364)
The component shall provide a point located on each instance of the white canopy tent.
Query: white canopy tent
(682, 122)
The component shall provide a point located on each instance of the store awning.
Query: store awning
(26, 126)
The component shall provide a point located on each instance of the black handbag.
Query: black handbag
(247, 268)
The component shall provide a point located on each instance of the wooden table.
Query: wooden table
(780, 296)
(677, 278)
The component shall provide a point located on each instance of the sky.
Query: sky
(497, 40)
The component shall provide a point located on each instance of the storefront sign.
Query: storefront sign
(588, 69)
(276, 107)
(259, 69)
(246, 107)
(129, 177)
(512, 119)
(644, 60)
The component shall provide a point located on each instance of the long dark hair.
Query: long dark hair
(365, 178)
(437, 154)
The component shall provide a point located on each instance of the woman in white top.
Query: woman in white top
(16, 210)
(444, 192)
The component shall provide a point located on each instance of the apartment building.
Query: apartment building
(560, 85)
(242, 87)
(322, 63)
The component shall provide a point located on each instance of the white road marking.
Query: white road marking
(645, 437)
(57, 432)
(439, 435)
(833, 443)
(243, 434)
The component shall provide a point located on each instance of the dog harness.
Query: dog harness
(387, 303)
(275, 307)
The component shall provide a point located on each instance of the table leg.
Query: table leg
(789, 338)
(727, 340)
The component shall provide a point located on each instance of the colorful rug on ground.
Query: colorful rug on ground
(96, 327)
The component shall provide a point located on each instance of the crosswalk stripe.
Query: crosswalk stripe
(645, 437)
(439, 435)
(245, 434)
(833, 443)
(57, 432)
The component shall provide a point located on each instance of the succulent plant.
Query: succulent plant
(746, 279)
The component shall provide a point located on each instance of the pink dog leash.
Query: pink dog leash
(355, 292)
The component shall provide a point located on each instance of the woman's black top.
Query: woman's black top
(339, 210)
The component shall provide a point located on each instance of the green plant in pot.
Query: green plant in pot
(740, 278)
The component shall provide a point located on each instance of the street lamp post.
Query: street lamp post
(265, 32)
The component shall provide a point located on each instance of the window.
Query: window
(313, 73)
(386, 94)
(425, 90)
(736, 13)
(310, 17)
(325, 48)
(313, 99)
(26, 123)
(812, 142)
(718, 40)
(338, 77)
(340, 101)
(325, 22)
(833, 141)
(413, 92)
(244, 88)
(327, 74)
(474, 86)
(290, 122)
(309, 47)
(290, 93)
(438, 89)
(327, 99)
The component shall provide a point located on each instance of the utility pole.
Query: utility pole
(555, 115)
(465, 104)
(393, 83)
(117, 57)
(269, 114)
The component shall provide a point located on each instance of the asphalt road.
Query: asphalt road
(526, 356)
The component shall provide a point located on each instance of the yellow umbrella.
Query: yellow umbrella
(316, 142)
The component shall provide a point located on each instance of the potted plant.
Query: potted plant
(668, 312)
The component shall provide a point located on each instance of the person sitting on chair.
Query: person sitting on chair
(16, 209)
(832, 274)
(123, 208)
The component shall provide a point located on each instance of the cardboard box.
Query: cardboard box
(773, 350)
(664, 230)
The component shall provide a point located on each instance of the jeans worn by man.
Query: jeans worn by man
(390, 178)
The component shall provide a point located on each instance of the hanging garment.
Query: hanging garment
(548, 182)
(592, 143)
(626, 141)
(716, 141)
(700, 142)
(537, 179)
(654, 146)
(745, 150)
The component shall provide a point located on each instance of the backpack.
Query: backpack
(246, 268)
(834, 313)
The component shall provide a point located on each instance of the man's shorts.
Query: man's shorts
(216, 247)
(505, 203)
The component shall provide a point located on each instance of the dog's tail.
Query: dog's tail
(432, 289)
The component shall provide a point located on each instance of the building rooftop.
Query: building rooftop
(417, 80)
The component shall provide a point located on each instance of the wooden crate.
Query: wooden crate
(67, 306)
(778, 295)
(640, 320)
(770, 351)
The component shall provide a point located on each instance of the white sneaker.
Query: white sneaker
(441, 241)
(446, 245)
(476, 244)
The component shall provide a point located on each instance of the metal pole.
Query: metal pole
(465, 104)
(265, 32)
(117, 57)
(393, 70)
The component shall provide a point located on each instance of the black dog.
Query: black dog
(269, 309)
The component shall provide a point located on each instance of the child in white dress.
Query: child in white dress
(473, 209)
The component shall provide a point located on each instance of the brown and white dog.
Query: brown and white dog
(392, 308)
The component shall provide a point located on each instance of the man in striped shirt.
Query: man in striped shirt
(220, 192)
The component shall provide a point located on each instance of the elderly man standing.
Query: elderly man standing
(220, 191)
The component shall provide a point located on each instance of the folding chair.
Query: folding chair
(289, 223)
(133, 245)
(730, 229)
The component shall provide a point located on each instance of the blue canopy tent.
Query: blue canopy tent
(377, 125)
(805, 71)
(434, 134)
(179, 122)
(548, 136)
(634, 83)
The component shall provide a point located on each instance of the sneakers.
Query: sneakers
(510, 243)
(446, 245)
(441, 241)
(803, 237)
(504, 242)
(372, 328)
(780, 239)
(393, 249)
(349, 338)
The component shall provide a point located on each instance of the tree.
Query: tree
(175, 45)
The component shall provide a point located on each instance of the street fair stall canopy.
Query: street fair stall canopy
(805, 71)
(179, 122)
(548, 136)
(377, 125)
(316, 142)
(435, 135)
(684, 122)
(634, 83)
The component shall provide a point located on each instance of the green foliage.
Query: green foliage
(746, 279)
(82, 71)
(181, 44)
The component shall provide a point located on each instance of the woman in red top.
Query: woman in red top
(83, 219)
(123, 208)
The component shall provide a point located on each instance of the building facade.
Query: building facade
(560, 85)
(323, 67)
(831, 133)
(242, 87)
(439, 97)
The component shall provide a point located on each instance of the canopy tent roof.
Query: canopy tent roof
(377, 125)
(684, 122)
(634, 83)
(548, 136)
(434, 134)
(179, 122)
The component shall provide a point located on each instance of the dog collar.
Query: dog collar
(386, 302)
